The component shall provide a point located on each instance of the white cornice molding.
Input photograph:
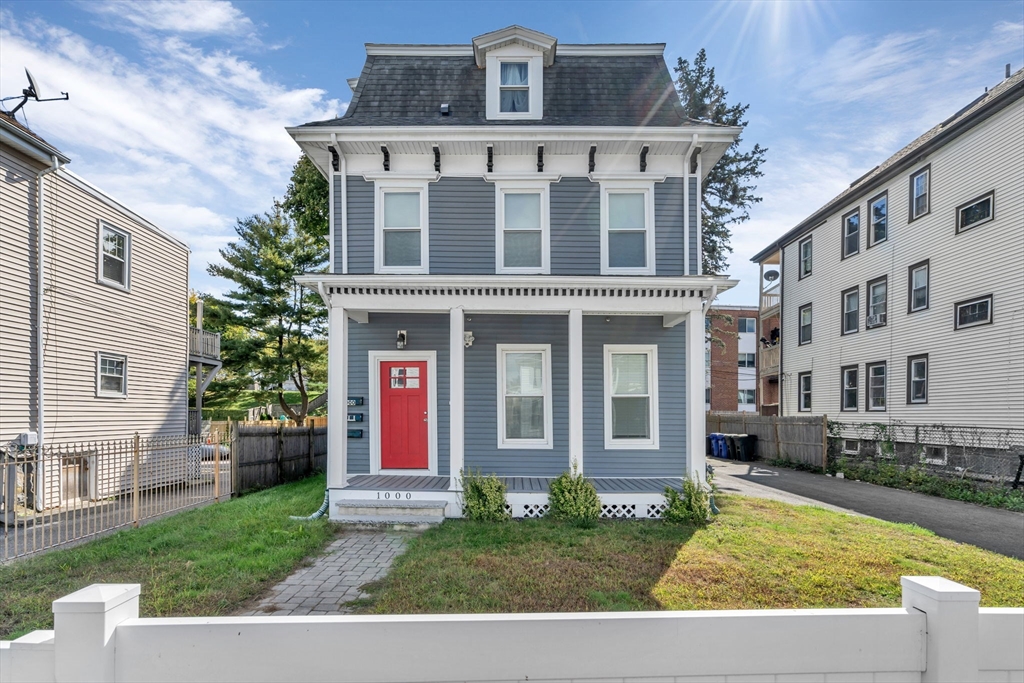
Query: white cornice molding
(515, 34)
(612, 49)
(352, 83)
(374, 49)
(598, 176)
(696, 282)
(398, 176)
(489, 133)
(509, 177)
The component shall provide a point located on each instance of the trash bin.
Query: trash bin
(732, 446)
(716, 445)
(708, 447)
(746, 446)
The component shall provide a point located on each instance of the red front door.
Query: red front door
(403, 415)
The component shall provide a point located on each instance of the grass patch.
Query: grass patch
(757, 554)
(203, 562)
(235, 406)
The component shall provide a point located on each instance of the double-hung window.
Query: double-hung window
(851, 233)
(747, 325)
(806, 254)
(524, 396)
(917, 379)
(514, 87)
(850, 387)
(878, 215)
(917, 297)
(877, 302)
(805, 324)
(401, 239)
(523, 225)
(876, 386)
(920, 191)
(114, 256)
(627, 228)
(111, 375)
(631, 396)
(746, 360)
(745, 397)
(975, 212)
(851, 310)
(973, 312)
(804, 390)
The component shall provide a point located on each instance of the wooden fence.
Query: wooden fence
(796, 437)
(267, 455)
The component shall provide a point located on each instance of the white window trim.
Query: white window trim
(871, 219)
(927, 286)
(652, 386)
(969, 302)
(991, 197)
(100, 393)
(375, 358)
(102, 225)
(515, 53)
(545, 350)
(843, 407)
(800, 392)
(844, 330)
(885, 387)
(400, 184)
(809, 240)
(911, 380)
(522, 187)
(629, 187)
(927, 173)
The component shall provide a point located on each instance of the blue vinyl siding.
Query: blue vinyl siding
(462, 226)
(670, 459)
(360, 227)
(694, 207)
(668, 221)
(481, 441)
(575, 227)
(427, 332)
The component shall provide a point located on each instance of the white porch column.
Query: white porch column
(576, 388)
(337, 404)
(695, 419)
(457, 395)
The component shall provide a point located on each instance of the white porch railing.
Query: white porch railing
(939, 634)
(203, 344)
(770, 359)
(770, 300)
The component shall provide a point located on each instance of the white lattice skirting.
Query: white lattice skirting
(613, 505)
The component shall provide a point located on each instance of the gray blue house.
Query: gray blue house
(515, 284)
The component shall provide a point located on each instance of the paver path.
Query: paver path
(357, 558)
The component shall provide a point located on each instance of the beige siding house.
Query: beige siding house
(903, 298)
(115, 329)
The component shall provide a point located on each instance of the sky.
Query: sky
(178, 108)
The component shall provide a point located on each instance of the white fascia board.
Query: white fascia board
(526, 37)
(489, 133)
(694, 282)
(612, 49)
(419, 50)
(27, 144)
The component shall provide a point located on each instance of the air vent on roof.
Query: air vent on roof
(444, 109)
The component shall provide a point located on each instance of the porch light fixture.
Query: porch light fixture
(468, 338)
(401, 339)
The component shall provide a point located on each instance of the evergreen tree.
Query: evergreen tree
(307, 198)
(728, 190)
(285, 321)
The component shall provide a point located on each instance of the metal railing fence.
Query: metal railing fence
(66, 493)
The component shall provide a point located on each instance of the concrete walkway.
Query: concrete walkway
(335, 578)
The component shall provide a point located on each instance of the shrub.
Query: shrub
(572, 497)
(692, 506)
(483, 497)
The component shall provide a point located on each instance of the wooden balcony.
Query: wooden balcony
(203, 344)
(769, 358)
(770, 300)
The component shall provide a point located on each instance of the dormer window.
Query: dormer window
(515, 87)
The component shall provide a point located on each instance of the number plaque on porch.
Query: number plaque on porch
(355, 433)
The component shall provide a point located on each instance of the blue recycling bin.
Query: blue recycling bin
(718, 445)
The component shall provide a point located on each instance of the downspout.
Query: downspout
(40, 301)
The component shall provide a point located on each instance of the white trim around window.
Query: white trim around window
(401, 185)
(113, 254)
(541, 189)
(649, 392)
(534, 85)
(111, 367)
(628, 187)
(528, 387)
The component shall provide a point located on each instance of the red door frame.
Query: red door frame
(379, 360)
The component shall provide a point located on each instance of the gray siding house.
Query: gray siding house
(515, 285)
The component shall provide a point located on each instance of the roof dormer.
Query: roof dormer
(514, 58)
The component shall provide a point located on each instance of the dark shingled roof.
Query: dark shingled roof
(578, 91)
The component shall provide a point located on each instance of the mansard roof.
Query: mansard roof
(599, 85)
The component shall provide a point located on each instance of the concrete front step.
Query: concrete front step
(391, 511)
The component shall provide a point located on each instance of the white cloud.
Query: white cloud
(195, 17)
(190, 137)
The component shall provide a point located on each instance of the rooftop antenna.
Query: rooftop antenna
(32, 92)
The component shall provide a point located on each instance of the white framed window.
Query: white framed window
(746, 360)
(631, 396)
(523, 224)
(878, 214)
(515, 76)
(851, 446)
(973, 312)
(745, 397)
(876, 386)
(851, 233)
(806, 314)
(851, 310)
(920, 192)
(851, 384)
(917, 379)
(114, 257)
(524, 396)
(806, 257)
(918, 297)
(401, 234)
(804, 389)
(878, 293)
(514, 86)
(627, 228)
(975, 212)
(111, 375)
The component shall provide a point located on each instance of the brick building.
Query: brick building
(730, 359)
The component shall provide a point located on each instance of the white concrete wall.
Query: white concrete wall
(938, 635)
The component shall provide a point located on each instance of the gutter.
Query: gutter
(40, 304)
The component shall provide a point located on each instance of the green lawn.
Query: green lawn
(210, 561)
(757, 554)
(234, 407)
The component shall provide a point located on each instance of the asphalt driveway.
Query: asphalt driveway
(1001, 531)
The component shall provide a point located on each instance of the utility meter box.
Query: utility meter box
(28, 439)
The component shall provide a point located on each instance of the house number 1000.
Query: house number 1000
(397, 495)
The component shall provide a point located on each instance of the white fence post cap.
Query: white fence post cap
(99, 597)
(940, 589)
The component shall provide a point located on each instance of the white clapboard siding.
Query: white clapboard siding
(148, 325)
(976, 376)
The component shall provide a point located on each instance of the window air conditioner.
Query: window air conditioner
(877, 319)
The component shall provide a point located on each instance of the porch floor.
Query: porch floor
(391, 482)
